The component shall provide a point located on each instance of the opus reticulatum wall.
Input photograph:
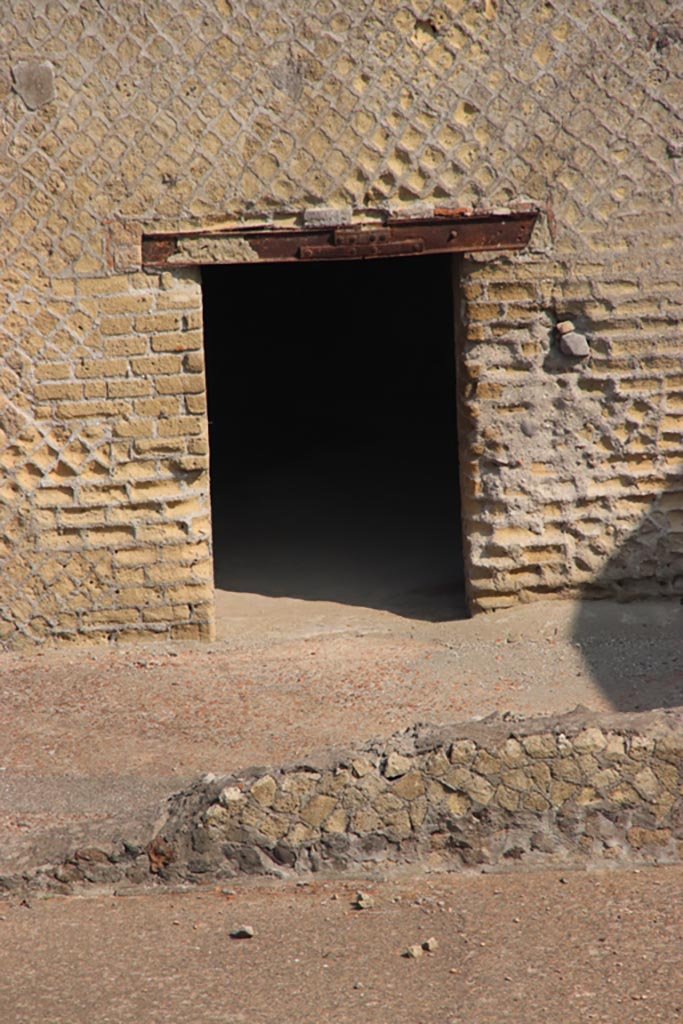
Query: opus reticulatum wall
(123, 119)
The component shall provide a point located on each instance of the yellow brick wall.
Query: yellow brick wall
(195, 113)
(572, 470)
(105, 468)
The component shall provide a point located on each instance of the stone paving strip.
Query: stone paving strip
(580, 789)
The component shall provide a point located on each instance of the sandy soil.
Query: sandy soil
(599, 947)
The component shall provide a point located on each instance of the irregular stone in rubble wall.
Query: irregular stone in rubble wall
(264, 790)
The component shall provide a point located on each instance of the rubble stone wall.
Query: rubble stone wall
(118, 119)
(573, 789)
(578, 790)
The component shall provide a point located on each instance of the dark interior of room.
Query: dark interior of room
(334, 455)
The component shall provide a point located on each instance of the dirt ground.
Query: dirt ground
(599, 947)
(93, 738)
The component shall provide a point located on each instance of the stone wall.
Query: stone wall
(107, 472)
(577, 790)
(118, 119)
(573, 478)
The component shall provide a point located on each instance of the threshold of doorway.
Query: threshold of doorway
(238, 614)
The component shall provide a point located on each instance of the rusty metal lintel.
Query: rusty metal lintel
(362, 250)
(398, 237)
(362, 236)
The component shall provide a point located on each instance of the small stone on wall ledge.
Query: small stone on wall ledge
(574, 344)
(327, 216)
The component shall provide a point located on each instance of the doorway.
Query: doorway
(334, 451)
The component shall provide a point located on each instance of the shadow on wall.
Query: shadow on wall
(634, 648)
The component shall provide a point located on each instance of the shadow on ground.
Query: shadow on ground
(634, 648)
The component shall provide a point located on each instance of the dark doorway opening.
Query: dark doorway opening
(334, 454)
